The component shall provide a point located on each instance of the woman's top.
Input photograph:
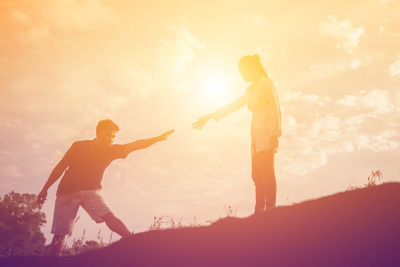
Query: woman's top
(262, 100)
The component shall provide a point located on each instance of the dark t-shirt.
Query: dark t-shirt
(86, 162)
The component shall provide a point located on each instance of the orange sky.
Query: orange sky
(153, 66)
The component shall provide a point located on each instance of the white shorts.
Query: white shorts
(67, 206)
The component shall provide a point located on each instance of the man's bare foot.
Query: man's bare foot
(127, 236)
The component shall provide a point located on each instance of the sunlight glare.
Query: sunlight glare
(215, 88)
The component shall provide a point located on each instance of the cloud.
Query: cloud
(322, 71)
(6, 122)
(10, 171)
(327, 128)
(355, 63)
(77, 15)
(347, 35)
(290, 96)
(256, 20)
(376, 101)
(394, 69)
(307, 146)
(348, 101)
(392, 3)
(387, 140)
(206, 150)
(20, 16)
(365, 121)
(54, 20)
(35, 35)
(178, 50)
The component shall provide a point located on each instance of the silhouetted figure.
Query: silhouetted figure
(262, 100)
(84, 164)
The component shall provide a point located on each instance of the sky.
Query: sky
(158, 65)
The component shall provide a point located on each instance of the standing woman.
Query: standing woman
(262, 100)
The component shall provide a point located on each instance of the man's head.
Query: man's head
(106, 131)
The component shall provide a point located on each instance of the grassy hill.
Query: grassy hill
(353, 228)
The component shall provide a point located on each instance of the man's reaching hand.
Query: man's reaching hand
(165, 135)
(41, 198)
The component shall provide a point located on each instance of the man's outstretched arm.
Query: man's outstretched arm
(145, 143)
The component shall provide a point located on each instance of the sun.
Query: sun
(215, 88)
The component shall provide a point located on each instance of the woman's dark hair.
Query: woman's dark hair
(252, 62)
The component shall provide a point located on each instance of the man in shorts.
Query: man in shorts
(83, 166)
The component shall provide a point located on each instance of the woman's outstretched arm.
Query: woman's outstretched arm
(222, 112)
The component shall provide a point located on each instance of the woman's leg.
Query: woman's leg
(270, 180)
(263, 171)
(259, 181)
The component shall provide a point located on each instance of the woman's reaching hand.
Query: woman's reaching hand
(199, 124)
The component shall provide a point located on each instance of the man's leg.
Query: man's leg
(96, 207)
(116, 225)
(57, 245)
(65, 210)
